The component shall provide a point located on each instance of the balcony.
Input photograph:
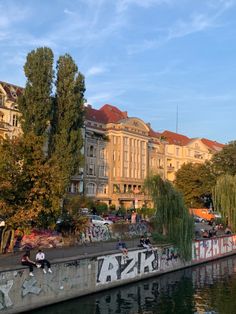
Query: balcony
(5, 126)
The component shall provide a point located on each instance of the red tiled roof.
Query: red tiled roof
(106, 114)
(213, 145)
(175, 138)
(152, 133)
(11, 90)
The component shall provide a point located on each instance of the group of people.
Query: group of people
(145, 243)
(40, 262)
(214, 231)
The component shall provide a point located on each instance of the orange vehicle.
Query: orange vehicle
(204, 213)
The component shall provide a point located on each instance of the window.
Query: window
(91, 152)
(15, 120)
(126, 156)
(102, 171)
(126, 140)
(102, 153)
(1, 100)
(91, 189)
(91, 170)
(75, 187)
(177, 151)
(102, 189)
(1, 116)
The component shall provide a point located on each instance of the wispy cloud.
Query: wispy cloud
(123, 5)
(197, 22)
(96, 70)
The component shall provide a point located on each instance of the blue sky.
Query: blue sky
(147, 57)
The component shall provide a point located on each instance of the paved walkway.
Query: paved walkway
(10, 260)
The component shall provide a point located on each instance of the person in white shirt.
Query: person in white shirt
(40, 259)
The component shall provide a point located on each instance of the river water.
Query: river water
(208, 288)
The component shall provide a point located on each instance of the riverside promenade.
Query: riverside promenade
(11, 261)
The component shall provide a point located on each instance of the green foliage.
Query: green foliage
(224, 162)
(225, 199)
(172, 217)
(36, 169)
(195, 181)
(68, 118)
(101, 208)
(28, 192)
(112, 207)
(36, 102)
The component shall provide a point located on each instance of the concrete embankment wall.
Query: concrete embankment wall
(79, 276)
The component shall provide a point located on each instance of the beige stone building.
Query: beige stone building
(181, 149)
(9, 113)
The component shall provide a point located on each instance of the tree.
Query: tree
(48, 153)
(224, 198)
(36, 102)
(172, 217)
(68, 119)
(224, 162)
(195, 182)
(28, 190)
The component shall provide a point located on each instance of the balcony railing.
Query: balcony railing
(4, 125)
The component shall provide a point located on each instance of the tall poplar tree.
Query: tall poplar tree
(48, 153)
(68, 118)
(36, 102)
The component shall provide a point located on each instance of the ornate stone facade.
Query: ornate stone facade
(9, 113)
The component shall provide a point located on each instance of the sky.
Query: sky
(171, 63)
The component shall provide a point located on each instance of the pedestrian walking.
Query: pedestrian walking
(40, 259)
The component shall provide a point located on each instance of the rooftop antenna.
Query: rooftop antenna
(177, 118)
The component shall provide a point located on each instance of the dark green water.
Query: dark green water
(208, 288)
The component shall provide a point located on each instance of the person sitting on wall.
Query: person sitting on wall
(123, 248)
(147, 244)
(205, 234)
(141, 242)
(26, 261)
(42, 261)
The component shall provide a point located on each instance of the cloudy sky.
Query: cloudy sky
(152, 58)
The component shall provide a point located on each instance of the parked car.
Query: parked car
(98, 220)
(113, 217)
(198, 219)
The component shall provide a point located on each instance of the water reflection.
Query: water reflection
(208, 288)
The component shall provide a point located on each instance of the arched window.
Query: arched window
(91, 188)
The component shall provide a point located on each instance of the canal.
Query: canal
(208, 288)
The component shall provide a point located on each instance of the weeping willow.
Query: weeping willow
(224, 197)
(172, 217)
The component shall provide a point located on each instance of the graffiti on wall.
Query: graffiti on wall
(95, 233)
(117, 267)
(209, 248)
(138, 229)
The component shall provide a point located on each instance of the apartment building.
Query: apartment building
(119, 151)
(117, 156)
(9, 113)
(181, 149)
